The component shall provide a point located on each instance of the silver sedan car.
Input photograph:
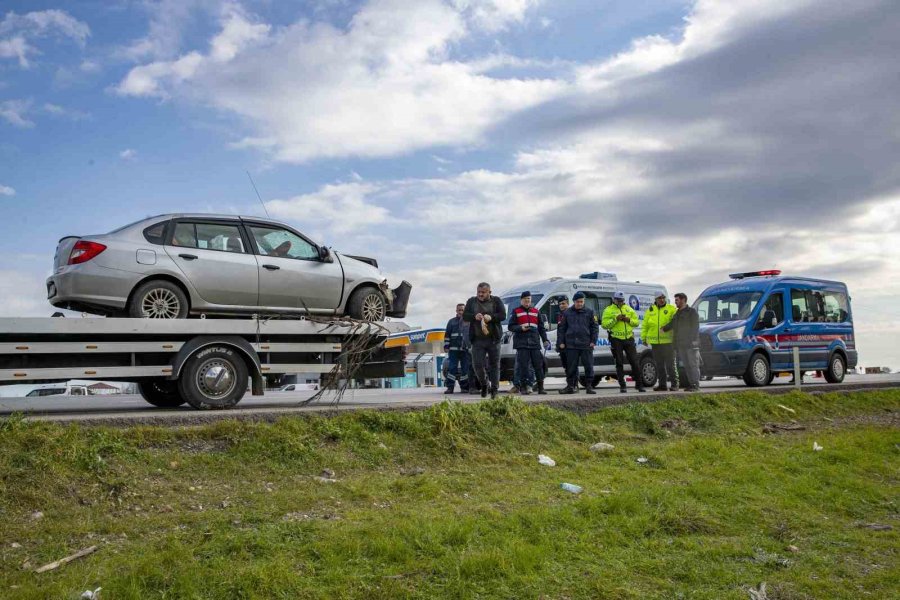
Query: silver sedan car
(175, 266)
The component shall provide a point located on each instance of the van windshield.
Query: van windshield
(719, 308)
(514, 302)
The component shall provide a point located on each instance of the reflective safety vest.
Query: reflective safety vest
(531, 337)
(655, 318)
(621, 330)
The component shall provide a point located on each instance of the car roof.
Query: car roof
(216, 216)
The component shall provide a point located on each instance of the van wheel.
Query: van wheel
(158, 299)
(837, 368)
(367, 304)
(758, 371)
(161, 393)
(214, 378)
(648, 371)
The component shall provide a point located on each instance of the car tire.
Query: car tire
(367, 304)
(158, 299)
(758, 371)
(161, 393)
(648, 371)
(837, 368)
(213, 378)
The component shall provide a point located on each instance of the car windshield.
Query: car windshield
(729, 306)
(514, 302)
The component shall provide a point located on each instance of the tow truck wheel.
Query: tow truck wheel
(837, 368)
(213, 378)
(758, 371)
(367, 304)
(161, 393)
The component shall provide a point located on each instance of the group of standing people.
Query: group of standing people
(672, 332)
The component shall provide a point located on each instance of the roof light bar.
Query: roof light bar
(768, 273)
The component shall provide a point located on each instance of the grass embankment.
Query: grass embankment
(451, 502)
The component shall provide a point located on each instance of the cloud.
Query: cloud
(128, 154)
(494, 15)
(63, 112)
(14, 112)
(17, 30)
(23, 294)
(5, 190)
(381, 86)
(340, 208)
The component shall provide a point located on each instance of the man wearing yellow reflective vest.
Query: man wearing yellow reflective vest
(656, 317)
(619, 320)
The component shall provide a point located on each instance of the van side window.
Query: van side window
(775, 304)
(550, 309)
(799, 308)
(837, 309)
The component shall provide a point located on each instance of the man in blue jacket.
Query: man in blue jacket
(577, 336)
(456, 345)
(529, 336)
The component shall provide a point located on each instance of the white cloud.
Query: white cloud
(5, 190)
(15, 111)
(340, 208)
(22, 294)
(128, 154)
(383, 86)
(494, 15)
(16, 30)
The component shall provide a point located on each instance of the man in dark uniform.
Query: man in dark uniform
(485, 314)
(456, 345)
(529, 336)
(577, 335)
(563, 307)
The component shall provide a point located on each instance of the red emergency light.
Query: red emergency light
(768, 273)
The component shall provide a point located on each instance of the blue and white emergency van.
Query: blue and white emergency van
(750, 325)
(598, 288)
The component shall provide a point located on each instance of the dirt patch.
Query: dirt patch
(887, 418)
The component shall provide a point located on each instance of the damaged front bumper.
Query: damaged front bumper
(398, 298)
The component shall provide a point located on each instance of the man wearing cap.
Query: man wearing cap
(485, 314)
(577, 336)
(619, 320)
(529, 336)
(656, 318)
(456, 345)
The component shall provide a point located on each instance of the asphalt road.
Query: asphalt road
(121, 408)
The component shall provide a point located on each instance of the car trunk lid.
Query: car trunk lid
(63, 251)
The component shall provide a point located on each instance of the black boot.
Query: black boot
(590, 390)
(484, 391)
(540, 389)
(449, 390)
(567, 390)
(493, 393)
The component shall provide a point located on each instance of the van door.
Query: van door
(775, 335)
(807, 329)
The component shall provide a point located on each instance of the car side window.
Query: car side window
(156, 234)
(221, 237)
(271, 241)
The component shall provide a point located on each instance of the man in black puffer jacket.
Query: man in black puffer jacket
(485, 313)
(577, 337)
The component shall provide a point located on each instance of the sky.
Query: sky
(467, 140)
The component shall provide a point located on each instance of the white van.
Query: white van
(598, 289)
(58, 389)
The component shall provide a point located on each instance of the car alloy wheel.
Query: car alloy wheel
(373, 307)
(160, 303)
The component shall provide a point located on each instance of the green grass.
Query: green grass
(233, 509)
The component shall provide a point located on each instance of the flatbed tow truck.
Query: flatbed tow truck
(206, 363)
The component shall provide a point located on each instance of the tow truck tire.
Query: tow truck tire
(837, 368)
(161, 393)
(758, 371)
(213, 378)
(158, 299)
(367, 304)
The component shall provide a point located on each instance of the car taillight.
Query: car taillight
(84, 251)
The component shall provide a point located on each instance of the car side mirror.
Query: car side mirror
(325, 254)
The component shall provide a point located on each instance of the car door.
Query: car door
(215, 258)
(291, 274)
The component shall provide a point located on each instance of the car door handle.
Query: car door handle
(271, 267)
(188, 256)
